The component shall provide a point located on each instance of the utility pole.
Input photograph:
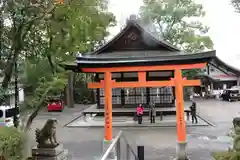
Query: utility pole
(16, 120)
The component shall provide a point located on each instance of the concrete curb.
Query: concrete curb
(137, 126)
(205, 120)
(140, 126)
(74, 119)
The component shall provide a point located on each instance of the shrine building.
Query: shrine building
(135, 45)
(136, 67)
(218, 75)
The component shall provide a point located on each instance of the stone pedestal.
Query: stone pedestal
(57, 153)
(181, 151)
(106, 144)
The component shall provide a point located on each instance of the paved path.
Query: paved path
(85, 143)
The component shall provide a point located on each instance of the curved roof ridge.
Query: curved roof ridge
(234, 69)
(130, 23)
(162, 42)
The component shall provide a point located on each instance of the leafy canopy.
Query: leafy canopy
(236, 5)
(178, 22)
(39, 35)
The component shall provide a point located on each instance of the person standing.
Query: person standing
(193, 110)
(140, 111)
(152, 112)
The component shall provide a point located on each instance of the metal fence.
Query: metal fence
(116, 146)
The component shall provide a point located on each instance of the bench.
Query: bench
(187, 111)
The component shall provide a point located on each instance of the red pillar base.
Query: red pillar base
(181, 153)
(105, 146)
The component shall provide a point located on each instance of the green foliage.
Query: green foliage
(236, 5)
(46, 87)
(78, 27)
(17, 20)
(41, 34)
(225, 155)
(12, 143)
(190, 73)
(178, 22)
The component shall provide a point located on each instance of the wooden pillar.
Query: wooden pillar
(173, 91)
(97, 96)
(108, 106)
(147, 90)
(181, 126)
(238, 81)
(122, 92)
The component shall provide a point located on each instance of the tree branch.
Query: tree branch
(35, 112)
(49, 55)
(161, 30)
(3, 3)
(41, 16)
(172, 24)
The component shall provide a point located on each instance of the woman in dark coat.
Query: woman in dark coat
(193, 109)
(152, 112)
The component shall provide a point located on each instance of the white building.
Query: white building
(10, 98)
(217, 75)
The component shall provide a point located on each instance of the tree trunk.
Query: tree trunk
(28, 149)
(2, 158)
(8, 71)
(70, 99)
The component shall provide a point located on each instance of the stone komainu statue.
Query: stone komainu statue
(46, 137)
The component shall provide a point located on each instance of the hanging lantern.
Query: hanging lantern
(127, 93)
(118, 100)
(142, 95)
(157, 92)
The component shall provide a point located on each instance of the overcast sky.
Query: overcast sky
(220, 16)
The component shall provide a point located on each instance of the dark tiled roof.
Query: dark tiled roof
(228, 67)
(154, 59)
(164, 55)
(133, 54)
(143, 29)
(203, 75)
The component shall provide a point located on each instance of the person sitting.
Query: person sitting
(140, 111)
(152, 112)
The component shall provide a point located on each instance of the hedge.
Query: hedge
(12, 143)
(225, 155)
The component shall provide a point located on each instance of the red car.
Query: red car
(55, 104)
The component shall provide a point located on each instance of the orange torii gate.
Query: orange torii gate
(178, 82)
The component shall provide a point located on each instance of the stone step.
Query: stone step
(62, 156)
(47, 151)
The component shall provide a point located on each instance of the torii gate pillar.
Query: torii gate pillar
(181, 125)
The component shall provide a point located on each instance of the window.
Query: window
(234, 91)
(1, 114)
(11, 112)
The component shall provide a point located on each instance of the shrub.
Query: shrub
(225, 155)
(12, 143)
